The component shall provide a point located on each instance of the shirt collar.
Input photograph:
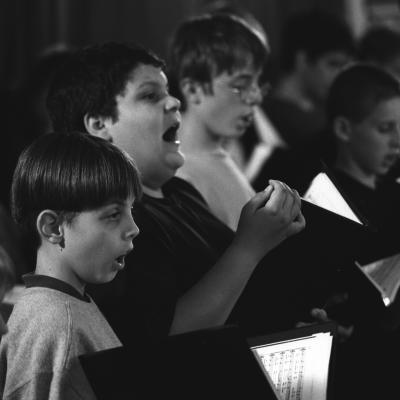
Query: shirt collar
(36, 280)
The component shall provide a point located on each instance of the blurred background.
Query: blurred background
(31, 28)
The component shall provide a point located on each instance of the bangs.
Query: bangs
(93, 177)
(238, 51)
(71, 173)
(358, 89)
(102, 178)
(207, 46)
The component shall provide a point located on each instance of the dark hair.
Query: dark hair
(90, 82)
(206, 46)
(379, 44)
(358, 89)
(316, 33)
(69, 173)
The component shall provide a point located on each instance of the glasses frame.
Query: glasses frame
(245, 93)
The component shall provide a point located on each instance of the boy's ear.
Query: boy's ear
(191, 91)
(97, 126)
(342, 128)
(49, 227)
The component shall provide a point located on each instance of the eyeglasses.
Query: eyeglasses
(250, 93)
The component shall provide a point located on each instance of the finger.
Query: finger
(259, 199)
(269, 189)
(297, 224)
(297, 198)
(319, 314)
(278, 196)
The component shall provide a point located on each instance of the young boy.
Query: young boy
(364, 113)
(189, 267)
(219, 93)
(315, 46)
(73, 194)
(363, 109)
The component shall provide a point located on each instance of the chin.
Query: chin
(174, 161)
(106, 278)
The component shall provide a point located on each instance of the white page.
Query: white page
(323, 193)
(385, 275)
(298, 368)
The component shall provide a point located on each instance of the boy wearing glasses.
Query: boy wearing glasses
(216, 63)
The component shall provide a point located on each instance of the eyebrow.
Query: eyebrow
(152, 83)
(112, 202)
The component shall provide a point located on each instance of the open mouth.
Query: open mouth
(120, 259)
(171, 134)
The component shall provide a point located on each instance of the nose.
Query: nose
(132, 230)
(395, 138)
(172, 104)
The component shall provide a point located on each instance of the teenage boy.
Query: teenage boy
(315, 46)
(189, 268)
(216, 64)
(73, 194)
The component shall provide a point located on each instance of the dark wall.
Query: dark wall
(28, 27)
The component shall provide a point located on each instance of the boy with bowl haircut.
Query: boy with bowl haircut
(73, 194)
(189, 268)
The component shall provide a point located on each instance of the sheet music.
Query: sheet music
(322, 192)
(298, 368)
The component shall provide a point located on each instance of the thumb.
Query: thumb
(319, 314)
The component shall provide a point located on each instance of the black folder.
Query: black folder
(214, 363)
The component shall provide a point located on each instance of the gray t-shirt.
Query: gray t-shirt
(50, 326)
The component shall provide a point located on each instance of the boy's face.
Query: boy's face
(320, 73)
(96, 243)
(148, 120)
(226, 111)
(374, 143)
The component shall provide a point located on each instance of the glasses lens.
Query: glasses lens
(260, 89)
(265, 88)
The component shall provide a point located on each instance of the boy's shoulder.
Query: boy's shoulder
(41, 309)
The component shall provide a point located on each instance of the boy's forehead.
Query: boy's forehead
(248, 71)
(146, 73)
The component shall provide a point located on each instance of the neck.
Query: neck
(157, 193)
(48, 263)
(197, 137)
(352, 169)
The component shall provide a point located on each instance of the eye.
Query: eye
(114, 215)
(239, 86)
(154, 96)
(385, 128)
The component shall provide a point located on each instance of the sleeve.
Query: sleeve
(52, 386)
